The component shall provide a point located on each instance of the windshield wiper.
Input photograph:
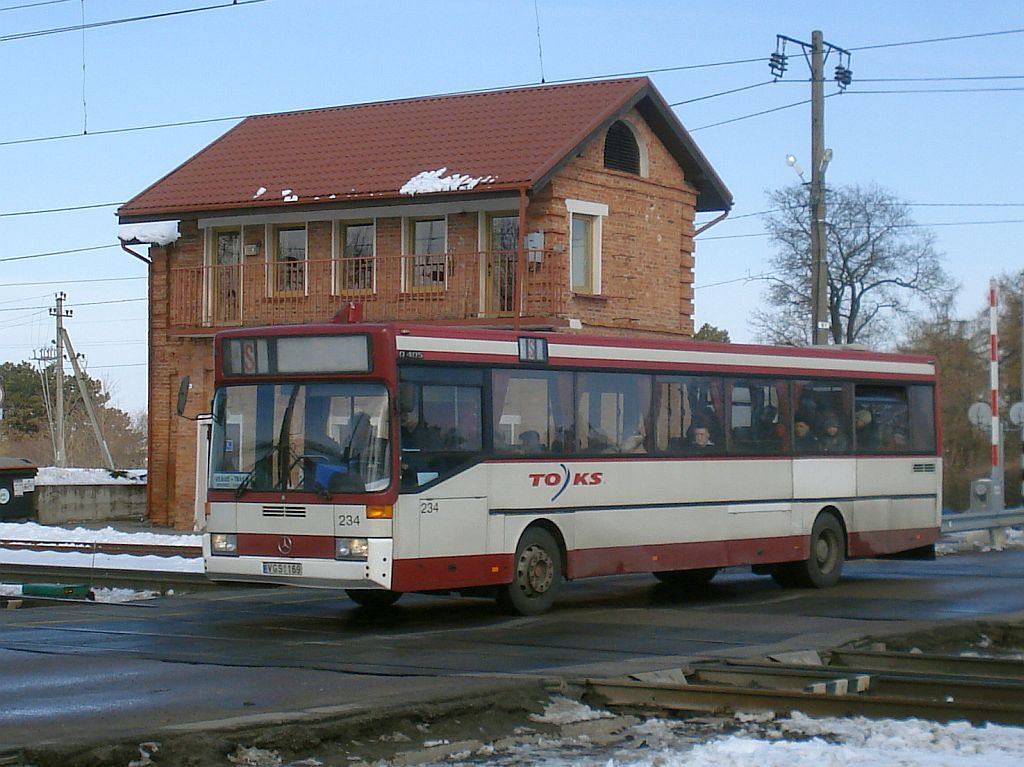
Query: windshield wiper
(244, 484)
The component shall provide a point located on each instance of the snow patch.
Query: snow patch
(260, 192)
(567, 711)
(429, 181)
(53, 475)
(31, 531)
(289, 196)
(152, 233)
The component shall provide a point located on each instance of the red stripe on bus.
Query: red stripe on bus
(275, 545)
(433, 573)
(618, 560)
(875, 542)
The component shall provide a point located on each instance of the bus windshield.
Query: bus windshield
(324, 438)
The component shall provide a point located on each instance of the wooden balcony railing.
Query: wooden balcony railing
(446, 286)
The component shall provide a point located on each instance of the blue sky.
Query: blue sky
(956, 155)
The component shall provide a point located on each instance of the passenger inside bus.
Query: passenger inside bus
(832, 438)
(804, 440)
(529, 442)
(700, 439)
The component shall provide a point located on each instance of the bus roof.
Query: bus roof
(464, 344)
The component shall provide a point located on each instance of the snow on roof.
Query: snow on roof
(153, 233)
(52, 475)
(429, 181)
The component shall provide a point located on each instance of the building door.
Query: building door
(500, 259)
(227, 277)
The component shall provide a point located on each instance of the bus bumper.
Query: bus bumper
(373, 572)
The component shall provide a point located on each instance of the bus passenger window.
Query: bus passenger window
(882, 420)
(532, 411)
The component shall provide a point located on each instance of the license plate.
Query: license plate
(282, 568)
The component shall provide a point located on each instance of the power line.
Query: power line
(754, 114)
(56, 253)
(33, 5)
(938, 40)
(933, 90)
(129, 20)
(112, 131)
(68, 282)
(721, 93)
(85, 303)
(60, 210)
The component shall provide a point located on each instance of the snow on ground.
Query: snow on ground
(52, 475)
(762, 740)
(30, 531)
(107, 595)
(1001, 539)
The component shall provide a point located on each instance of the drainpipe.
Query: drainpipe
(129, 251)
(711, 223)
(517, 286)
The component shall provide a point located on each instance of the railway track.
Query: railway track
(845, 683)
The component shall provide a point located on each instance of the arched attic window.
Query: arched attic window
(622, 151)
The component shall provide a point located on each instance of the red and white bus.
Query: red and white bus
(391, 458)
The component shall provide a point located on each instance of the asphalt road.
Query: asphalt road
(87, 674)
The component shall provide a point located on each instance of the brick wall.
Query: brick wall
(647, 288)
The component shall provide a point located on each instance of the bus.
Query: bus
(391, 458)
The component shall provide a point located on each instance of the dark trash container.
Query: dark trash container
(18, 489)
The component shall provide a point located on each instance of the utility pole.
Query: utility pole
(820, 321)
(60, 313)
(816, 52)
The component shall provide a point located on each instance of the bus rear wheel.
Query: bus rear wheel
(373, 599)
(537, 576)
(688, 579)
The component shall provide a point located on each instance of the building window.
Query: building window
(621, 149)
(226, 264)
(289, 259)
(425, 265)
(355, 264)
(585, 223)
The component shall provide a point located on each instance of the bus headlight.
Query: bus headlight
(350, 548)
(224, 543)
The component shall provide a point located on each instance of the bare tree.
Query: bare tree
(881, 266)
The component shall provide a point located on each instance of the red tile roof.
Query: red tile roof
(510, 139)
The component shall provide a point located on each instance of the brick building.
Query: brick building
(566, 207)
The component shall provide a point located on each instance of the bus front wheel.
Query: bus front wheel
(537, 576)
(373, 599)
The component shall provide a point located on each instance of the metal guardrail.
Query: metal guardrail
(981, 520)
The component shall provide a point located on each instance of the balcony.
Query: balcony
(438, 287)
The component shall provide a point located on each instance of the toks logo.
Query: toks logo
(562, 479)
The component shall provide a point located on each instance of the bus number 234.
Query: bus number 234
(429, 507)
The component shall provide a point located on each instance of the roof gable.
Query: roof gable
(494, 141)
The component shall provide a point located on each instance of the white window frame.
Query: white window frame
(270, 237)
(408, 222)
(597, 211)
(338, 251)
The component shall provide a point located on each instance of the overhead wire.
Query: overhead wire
(128, 20)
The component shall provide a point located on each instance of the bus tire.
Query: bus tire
(536, 576)
(373, 599)
(688, 579)
(827, 553)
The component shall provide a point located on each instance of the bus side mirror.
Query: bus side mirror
(183, 388)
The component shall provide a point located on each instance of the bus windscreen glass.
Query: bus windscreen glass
(316, 437)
